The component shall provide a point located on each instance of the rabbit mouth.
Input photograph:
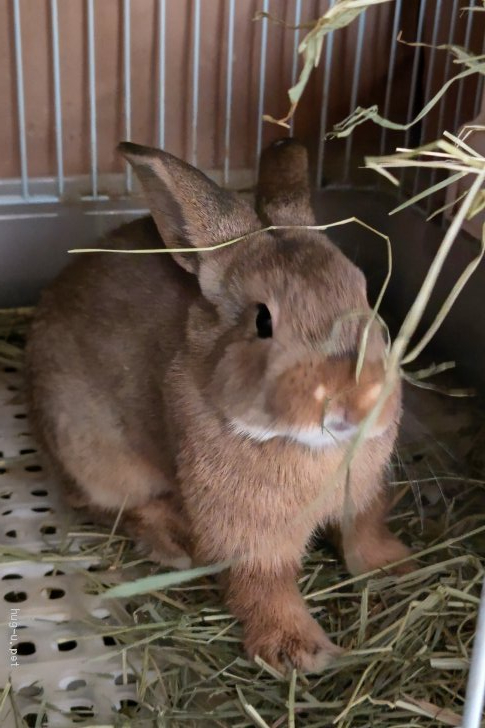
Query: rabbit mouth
(315, 437)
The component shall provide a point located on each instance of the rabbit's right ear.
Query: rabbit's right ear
(283, 194)
(190, 210)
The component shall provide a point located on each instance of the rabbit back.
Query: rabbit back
(103, 337)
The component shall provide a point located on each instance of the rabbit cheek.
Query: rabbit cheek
(237, 384)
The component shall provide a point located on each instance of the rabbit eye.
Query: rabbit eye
(264, 325)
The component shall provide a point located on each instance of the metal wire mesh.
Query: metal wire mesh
(410, 73)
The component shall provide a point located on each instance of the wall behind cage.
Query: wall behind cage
(194, 76)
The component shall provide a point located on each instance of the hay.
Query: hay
(472, 64)
(339, 15)
(407, 640)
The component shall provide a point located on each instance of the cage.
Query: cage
(196, 78)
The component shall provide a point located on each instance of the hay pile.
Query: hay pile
(407, 640)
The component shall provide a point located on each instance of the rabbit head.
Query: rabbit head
(274, 338)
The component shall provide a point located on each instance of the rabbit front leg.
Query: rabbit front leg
(277, 624)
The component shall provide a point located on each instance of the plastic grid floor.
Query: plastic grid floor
(61, 671)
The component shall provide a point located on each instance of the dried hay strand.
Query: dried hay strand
(339, 15)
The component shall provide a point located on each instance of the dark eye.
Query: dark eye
(263, 322)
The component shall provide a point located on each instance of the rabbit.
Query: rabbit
(211, 394)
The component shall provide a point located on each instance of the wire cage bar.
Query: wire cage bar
(162, 19)
(56, 70)
(262, 80)
(429, 80)
(195, 79)
(229, 78)
(127, 83)
(442, 103)
(296, 41)
(355, 89)
(20, 99)
(390, 75)
(327, 74)
(92, 98)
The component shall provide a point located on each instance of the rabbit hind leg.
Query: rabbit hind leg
(151, 514)
(160, 528)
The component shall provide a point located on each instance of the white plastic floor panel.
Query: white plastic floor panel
(58, 669)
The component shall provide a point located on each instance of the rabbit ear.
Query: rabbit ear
(283, 194)
(190, 210)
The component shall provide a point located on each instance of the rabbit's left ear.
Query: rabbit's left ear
(190, 210)
(283, 195)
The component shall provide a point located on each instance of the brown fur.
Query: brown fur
(283, 192)
(150, 388)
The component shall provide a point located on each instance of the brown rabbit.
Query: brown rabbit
(212, 395)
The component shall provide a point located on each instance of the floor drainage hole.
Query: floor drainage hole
(12, 576)
(81, 712)
(15, 596)
(48, 530)
(33, 468)
(11, 534)
(6, 496)
(54, 572)
(9, 370)
(42, 509)
(27, 451)
(39, 492)
(20, 416)
(76, 684)
(108, 640)
(66, 645)
(127, 706)
(100, 613)
(52, 593)
(35, 720)
(6, 513)
(31, 691)
(3, 471)
(25, 648)
(128, 679)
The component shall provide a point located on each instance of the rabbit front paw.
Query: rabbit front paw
(305, 646)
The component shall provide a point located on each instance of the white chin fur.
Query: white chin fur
(313, 437)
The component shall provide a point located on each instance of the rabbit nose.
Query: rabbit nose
(340, 426)
(338, 423)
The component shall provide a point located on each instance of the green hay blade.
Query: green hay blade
(163, 581)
